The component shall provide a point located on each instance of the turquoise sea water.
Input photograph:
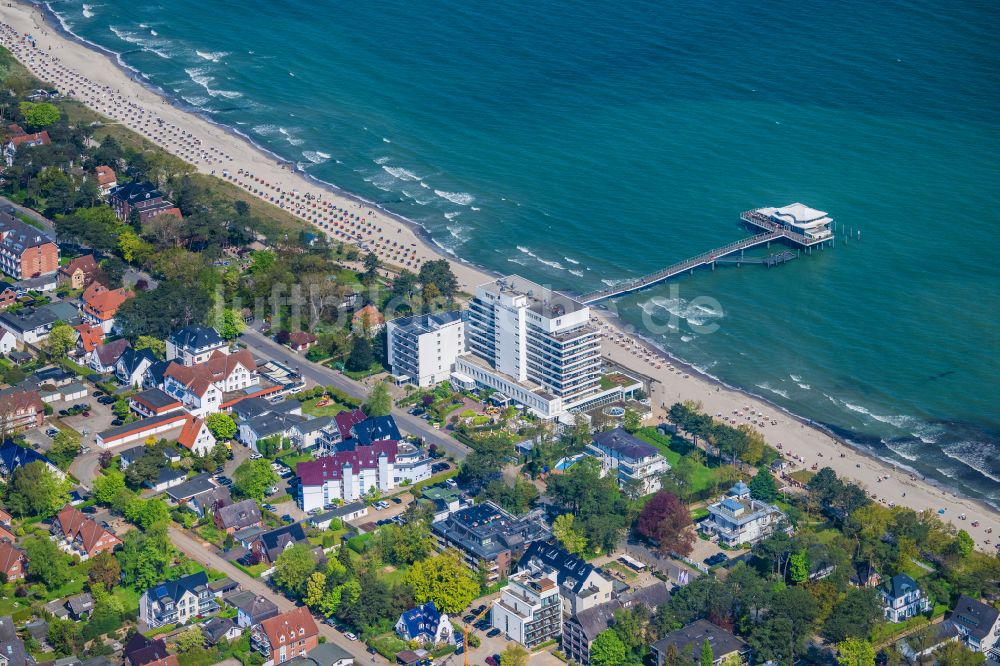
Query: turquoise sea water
(575, 142)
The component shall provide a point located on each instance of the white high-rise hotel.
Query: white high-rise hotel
(533, 344)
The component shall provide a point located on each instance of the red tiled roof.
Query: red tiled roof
(189, 433)
(316, 472)
(102, 302)
(105, 175)
(300, 338)
(31, 139)
(294, 625)
(9, 556)
(198, 378)
(371, 313)
(85, 263)
(20, 401)
(90, 336)
(73, 523)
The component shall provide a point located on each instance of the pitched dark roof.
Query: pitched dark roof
(691, 637)
(193, 486)
(570, 570)
(174, 589)
(253, 605)
(11, 646)
(18, 236)
(376, 429)
(13, 456)
(109, 352)
(974, 617)
(900, 585)
(140, 650)
(216, 628)
(626, 445)
(136, 191)
(326, 654)
(196, 337)
(131, 360)
(239, 515)
(276, 540)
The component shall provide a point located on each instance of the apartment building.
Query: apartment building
(177, 601)
(634, 462)
(194, 344)
(534, 345)
(282, 638)
(422, 349)
(25, 252)
(581, 585)
(529, 609)
(489, 538)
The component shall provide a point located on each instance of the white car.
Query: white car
(255, 456)
(351, 637)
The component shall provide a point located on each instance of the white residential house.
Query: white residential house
(347, 475)
(635, 463)
(529, 610)
(422, 349)
(131, 366)
(739, 519)
(194, 344)
(979, 626)
(177, 601)
(902, 598)
(7, 341)
(201, 387)
(196, 437)
(424, 624)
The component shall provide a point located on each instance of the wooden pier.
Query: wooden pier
(769, 231)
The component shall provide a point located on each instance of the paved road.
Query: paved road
(317, 374)
(41, 219)
(205, 555)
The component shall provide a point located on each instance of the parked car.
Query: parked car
(267, 507)
(351, 637)
(106, 400)
(51, 432)
(272, 490)
(117, 422)
(718, 558)
(396, 500)
(255, 456)
(491, 660)
(288, 518)
(89, 509)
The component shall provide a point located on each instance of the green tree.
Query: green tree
(221, 425)
(514, 655)
(370, 264)
(39, 115)
(361, 357)
(964, 545)
(607, 650)
(569, 535)
(65, 447)
(189, 639)
(253, 477)
(631, 421)
(62, 338)
(798, 567)
(155, 345)
(230, 324)
(379, 401)
(146, 513)
(855, 652)
(707, 659)
(853, 617)
(65, 637)
(47, 563)
(315, 589)
(763, 486)
(443, 579)
(954, 653)
(104, 570)
(35, 490)
(293, 568)
(145, 556)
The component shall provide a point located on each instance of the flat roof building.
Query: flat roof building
(422, 349)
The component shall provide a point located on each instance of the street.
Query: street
(204, 554)
(265, 347)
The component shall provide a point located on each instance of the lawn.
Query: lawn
(388, 644)
(330, 409)
(620, 568)
(361, 374)
(292, 459)
(255, 570)
(803, 476)
(703, 476)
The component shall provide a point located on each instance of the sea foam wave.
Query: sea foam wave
(400, 173)
(213, 56)
(460, 198)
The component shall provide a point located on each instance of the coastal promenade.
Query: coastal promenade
(186, 135)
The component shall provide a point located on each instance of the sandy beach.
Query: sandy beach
(95, 79)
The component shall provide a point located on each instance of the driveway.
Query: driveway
(314, 373)
(205, 554)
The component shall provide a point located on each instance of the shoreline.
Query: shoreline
(810, 437)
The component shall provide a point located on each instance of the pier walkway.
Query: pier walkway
(769, 232)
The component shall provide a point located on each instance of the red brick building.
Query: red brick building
(25, 252)
(282, 638)
(82, 535)
(12, 562)
(141, 197)
(20, 409)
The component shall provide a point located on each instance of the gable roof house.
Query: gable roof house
(368, 320)
(194, 344)
(20, 139)
(978, 624)
(196, 437)
(177, 601)
(13, 456)
(142, 651)
(267, 546)
(131, 366)
(424, 624)
(33, 325)
(326, 654)
(690, 638)
(291, 634)
(100, 305)
(581, 585)
(301, 340)
(107, 180)
(105, 356)
(220, 629)
(12, 561)
(79, 272)
(201, 387)
(902, 598)
(143, 198)
(238, 516)
(251, 608)
(80, 535)
(88, 338)
(20, 409)
(12, 651)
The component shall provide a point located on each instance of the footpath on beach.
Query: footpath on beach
(95, 80)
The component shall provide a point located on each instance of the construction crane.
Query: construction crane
(465, 631)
